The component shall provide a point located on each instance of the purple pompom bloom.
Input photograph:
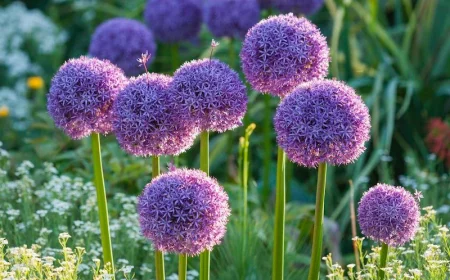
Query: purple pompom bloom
(144, 121)
(174, 20)
(211, 94)
(122, 41)
(231, 18)
(184, 212)
(82, 94)
(322, 121)
(388, 214)
(283, 51)
(307, 7)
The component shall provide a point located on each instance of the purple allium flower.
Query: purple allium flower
(210, 93)
(184, 212)
(388, 214)
(174, 20)
(323, 121)
(307, 7)
(122, 41)
(81, 96)
(144, 121)
(283, 51)
(231, 18)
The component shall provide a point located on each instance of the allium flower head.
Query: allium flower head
(210, 93)
(174, 20)
(231, 18)
(122, 41)
(388, 214)
(306, 7)
(438, 139)
(184, 212)
(322, 121)
(282, 52)
(144, 121)
(81, 96)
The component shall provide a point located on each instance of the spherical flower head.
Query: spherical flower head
(231, 23)
(322, 121)
(282, 52)
(144, 121)
(210, 94)
(81, 96)
(174, 20)
(184, 212)
(307, 7)
(388, 214)
(122, 41)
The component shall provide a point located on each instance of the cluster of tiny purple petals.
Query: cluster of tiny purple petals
(239, 17)
(307, 7)
(388, 214)
(145, 123)
(323, 121)
(210, 93)
(122, 41)
(81, 96)
(174, 20)
(184, 212)
(282, 52)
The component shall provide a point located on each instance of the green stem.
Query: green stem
(316, 253)
(159, 256)
(101, 202)
(174, 52)
(267, 146)
(204, 166)
(383, 260)
(182, 266)
(280, 204)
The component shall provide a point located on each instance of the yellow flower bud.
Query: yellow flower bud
(35, 82)
(4, 111)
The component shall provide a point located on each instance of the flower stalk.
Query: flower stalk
(383, 260)
(316, 253)
(159, 256)
(205, 258)
(182, 267)
(101, 202)
(280, 205)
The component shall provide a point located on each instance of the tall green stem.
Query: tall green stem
(316, 254)
(267, 146)
(383, 260)
(101, 201)
(159, 256)
(182, 266)
(204, 166)
(280, 204)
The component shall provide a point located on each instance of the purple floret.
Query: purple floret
(122, 41)
(184, 212)
(210, 94)
(81, 96)
(231, 18)
(282, 52)
(306, 7)
(145, 122)
(322, 121)
(174, 20)
(389, 214)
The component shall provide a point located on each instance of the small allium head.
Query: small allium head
(210, 94)
(184, 212)
(122, 41)
(388, 214)
(306, 7)
(81, 96)
(322, 121)
(145, 122)
(282, 52)
(174, 20)
(231, 18)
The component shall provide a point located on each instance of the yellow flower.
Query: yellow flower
(35, 82)
(4, 111)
